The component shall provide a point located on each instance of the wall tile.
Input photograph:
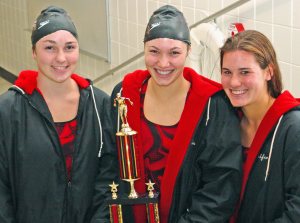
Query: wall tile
(264, 11)
(114, 30)
(286, 73)
(122, 9)
(188, 3)
(123, 32)
(296, 48)
(132, 11)
(189, 14)
(282, 41)
(282, 12)
(142, 11)
(203, 4)
(246, 11)
(295, 81)
(266, 29)
(296, 14)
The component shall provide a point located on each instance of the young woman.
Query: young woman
(270, 129)
(188, 137)
(56, 141)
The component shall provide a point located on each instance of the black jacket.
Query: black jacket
(202, 179)
(272, 188)
(33, 183)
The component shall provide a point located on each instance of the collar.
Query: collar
(27, 81)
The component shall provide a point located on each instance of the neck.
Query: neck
(165, 93)
(254, 113)
(53, 89)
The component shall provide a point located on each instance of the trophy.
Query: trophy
(129, 170)
(126, 147)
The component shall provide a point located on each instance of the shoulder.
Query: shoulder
(8, 98)
(291, 120)
(221, 101)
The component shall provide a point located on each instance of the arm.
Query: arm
(108, 168)
(220, 166)
(291, 212)
(7, 214)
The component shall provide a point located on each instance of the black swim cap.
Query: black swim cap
(167, 22)
(51, 20)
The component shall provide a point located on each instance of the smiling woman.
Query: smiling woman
(178, 114)
(59, 134)
(270, 127)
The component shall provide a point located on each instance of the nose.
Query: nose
(61, 57)
(235, 81)
(163, 61)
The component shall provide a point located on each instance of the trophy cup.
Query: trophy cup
(129, 170)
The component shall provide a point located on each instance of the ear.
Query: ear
(189, 49)
(33, 54)
(269, 72)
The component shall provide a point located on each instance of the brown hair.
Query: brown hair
(260, 46)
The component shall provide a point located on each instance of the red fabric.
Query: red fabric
(67, 132)
(201, 89)
(114, 210)
(156, 143)
(151, 213)
(27, 80)
(282, 104)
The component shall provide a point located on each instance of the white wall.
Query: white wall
(278, 19)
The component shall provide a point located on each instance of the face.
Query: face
(243, 80)
(165, 59)
(56, 56)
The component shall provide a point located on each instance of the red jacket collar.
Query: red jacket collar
(27, 80)
(201, 89)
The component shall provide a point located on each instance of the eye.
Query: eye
(70, 47)
(226, 72)
(49, 47)
(175, 53)
(245, 72)
(153, 51)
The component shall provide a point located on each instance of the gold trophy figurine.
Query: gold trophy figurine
(126, 138)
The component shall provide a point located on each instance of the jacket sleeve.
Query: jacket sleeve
(108, 168)
(7, 214)
(220, 163)
(291, 180)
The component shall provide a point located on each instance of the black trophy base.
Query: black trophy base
(143, 199)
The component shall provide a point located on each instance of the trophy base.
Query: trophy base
(143, 199)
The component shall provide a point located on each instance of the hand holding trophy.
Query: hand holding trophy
(129, 170)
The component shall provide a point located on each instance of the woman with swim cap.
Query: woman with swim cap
(188, 134)
(56, 142)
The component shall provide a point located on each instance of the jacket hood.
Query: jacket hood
(27, 81)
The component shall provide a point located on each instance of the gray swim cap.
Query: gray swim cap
(51, 20)
(167, 22)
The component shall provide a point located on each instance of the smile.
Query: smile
(164, 72)
(60, 67)
(238, 92)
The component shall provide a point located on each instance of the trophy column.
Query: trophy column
(129, 170)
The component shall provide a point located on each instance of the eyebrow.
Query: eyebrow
(174, 48)
(54, 42)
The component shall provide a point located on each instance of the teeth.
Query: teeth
(238, 92)
(60, 67)
(162, 72)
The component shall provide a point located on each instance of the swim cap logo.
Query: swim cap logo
(43, 24)
(154, 25)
